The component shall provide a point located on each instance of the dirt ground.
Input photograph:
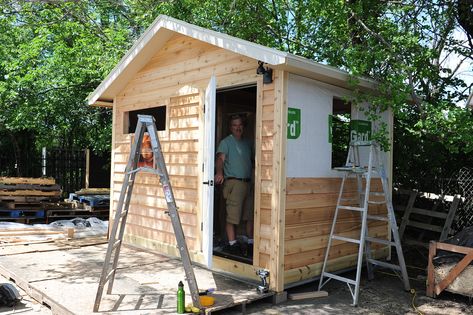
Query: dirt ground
(383, 295)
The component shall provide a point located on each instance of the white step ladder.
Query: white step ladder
(145, 123)
(353, 169)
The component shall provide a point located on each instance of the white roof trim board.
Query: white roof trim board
(164, 27)
(469, 101)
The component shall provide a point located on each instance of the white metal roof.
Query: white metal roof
(164, 27)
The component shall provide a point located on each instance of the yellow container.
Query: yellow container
(206, 300)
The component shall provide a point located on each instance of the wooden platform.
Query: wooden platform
(65, 275)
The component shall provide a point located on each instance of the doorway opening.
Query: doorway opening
(239, 101)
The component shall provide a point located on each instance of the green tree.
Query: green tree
(54, 53)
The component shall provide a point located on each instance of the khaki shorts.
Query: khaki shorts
(239, 199)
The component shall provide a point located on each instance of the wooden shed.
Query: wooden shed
(191, 79)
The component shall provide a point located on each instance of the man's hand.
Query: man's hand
(219, 178)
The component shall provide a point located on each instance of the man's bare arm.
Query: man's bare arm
(219, 177)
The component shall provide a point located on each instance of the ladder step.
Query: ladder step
(346, 239)
(116, 244)
(109, 275)
(361, 143)
(351, 208)
(377, 193)
(351, 169)
(124, 212)
(349, 200)
(384, 264)
(380, 241)
(339, 278)
(377, 217)
(371, 202)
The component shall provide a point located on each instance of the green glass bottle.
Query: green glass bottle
(181, 298)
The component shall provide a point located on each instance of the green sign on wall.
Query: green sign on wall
(293, 123)
(360, 130)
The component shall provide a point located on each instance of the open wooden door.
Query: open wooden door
(208, 176)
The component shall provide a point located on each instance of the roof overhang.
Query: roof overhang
(164, 27)
(469, 101)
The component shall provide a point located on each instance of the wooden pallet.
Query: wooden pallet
(28, 192)
(434, 288)
(22, 205)
(52, 215)
(8, 187)
(28, 180)
(425, 219)
(12, 214)
(24, 199)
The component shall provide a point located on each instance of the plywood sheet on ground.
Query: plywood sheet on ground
(49, 245)
(146, 283)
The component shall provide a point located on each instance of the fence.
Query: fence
(67, 167)
(462, 183)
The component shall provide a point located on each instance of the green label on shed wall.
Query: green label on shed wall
(360, 130)
(293, 123)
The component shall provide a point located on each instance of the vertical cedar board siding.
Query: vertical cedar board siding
(263, 231)
(175, 77)
(310, 206)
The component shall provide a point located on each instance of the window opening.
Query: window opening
(159, 114)
(340, 131)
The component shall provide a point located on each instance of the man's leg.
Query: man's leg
(234, 193)
(230, 228)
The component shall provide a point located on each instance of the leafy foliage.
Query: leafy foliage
(54, 53)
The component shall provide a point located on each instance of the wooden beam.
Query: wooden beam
(434, 289)
(258, 153)
(278, 199)
(99, 103)
(28, 180)
(307, 295)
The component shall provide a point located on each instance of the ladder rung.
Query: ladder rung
(377, 217)
(116, 244)
(349, 200)
(351, 169)
(110, 274)
(380, 241)
(384, 264)
(361, 143)
(339, 278)
(346, 239)
(351, 208)
(377, 193)
(371, 202)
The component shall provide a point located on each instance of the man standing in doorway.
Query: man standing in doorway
(234, 169)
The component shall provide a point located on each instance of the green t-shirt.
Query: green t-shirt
(238, 157)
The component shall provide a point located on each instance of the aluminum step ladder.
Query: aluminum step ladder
(353, 169)
(145, 123)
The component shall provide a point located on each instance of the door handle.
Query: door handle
(210, 183)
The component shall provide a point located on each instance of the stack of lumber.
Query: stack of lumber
(30, 234)
(22, 198)
(91, 202)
